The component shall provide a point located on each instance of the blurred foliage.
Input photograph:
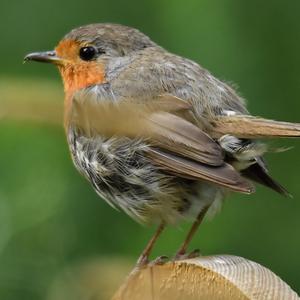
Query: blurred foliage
(53, 225)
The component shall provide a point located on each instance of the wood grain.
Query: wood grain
(212, 277)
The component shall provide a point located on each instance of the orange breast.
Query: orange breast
(76, 73)
(76, 77)
(81, 75)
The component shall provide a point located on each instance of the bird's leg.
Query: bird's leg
(182, 250)
(144, 257)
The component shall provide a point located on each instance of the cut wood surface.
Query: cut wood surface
(211, 277)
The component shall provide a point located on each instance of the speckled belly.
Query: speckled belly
(121, 174)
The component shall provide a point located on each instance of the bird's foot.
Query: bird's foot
(182, 255)
(161, 260)
(143, 261)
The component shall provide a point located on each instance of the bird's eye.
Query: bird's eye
(87, 53)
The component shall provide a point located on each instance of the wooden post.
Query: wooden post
(212, 277)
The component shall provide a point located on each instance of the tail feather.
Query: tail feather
(259, 174)
(244, 126)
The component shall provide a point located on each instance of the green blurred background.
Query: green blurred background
(58, 240)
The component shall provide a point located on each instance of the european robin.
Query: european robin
(157, 135)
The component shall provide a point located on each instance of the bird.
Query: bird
(156, 134)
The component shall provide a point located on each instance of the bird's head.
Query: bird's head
(83, 54)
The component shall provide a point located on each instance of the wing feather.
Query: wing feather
(155, 121)
(176, 144)
(224, 175)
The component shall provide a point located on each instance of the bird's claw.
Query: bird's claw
(181, 256)
(159, 260)
(143, 261)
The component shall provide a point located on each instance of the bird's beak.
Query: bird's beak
(45, 57)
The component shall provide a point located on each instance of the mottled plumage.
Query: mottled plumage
(136, 68)
(126, 178)
(156, 134)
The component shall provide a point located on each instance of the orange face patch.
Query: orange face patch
(76, 73)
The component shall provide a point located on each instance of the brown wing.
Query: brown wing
(179, 146)
(154, 121)
(177, 135)
(224, 175)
